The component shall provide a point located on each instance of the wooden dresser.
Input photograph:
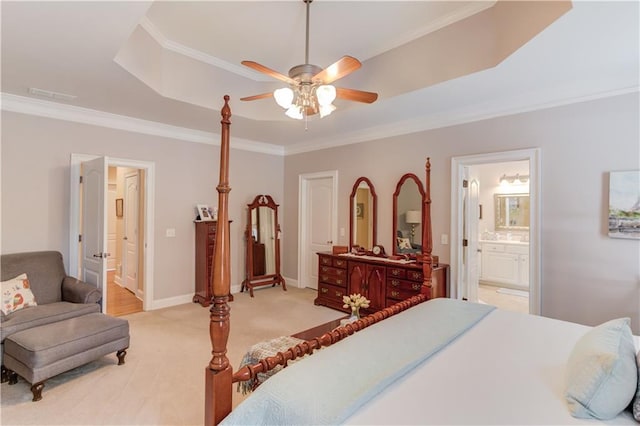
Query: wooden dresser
(205, 243)
(381, 281)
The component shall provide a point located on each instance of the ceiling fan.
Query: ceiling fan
(310, 90)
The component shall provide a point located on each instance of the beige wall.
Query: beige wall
(35, 190)
(587, 277)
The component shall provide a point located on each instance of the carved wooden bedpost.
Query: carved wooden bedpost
(218, 374)
(427, 238)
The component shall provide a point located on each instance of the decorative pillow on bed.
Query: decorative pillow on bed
(636, 403)
(602, 374)
(404, 243)
(16, 294)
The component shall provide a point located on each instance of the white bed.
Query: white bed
(505, 369)
(509, 369)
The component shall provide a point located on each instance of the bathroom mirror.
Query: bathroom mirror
(363, 214)
(262, 262)
(511, 211)
(408, 215)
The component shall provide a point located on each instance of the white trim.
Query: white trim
(48, 109)
(470, 114)
(302, 208)
(533, 155)
(198, 55)
(149, 224)
(292, 282)
(171, 301)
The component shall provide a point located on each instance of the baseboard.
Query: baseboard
(181, 300)
(172, 301)
(291, 282)
(116, 279)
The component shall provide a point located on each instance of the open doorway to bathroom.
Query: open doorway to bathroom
(502, 253)
(495, 229)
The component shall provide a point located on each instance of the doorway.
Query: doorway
(496, 261)
(317, 220)
(139, 274)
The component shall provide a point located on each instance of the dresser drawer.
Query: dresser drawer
(340, 263)
(394, 272)
(396, 284)
(415, 275)
(330, 270)
(326, 260)
(332, 279)
(493, 248)
(400, 294)
(331, 292)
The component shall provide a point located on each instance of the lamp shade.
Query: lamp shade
(413, 216)
(283, 97)
(325, 94)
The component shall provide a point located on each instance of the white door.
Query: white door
(94, 225)
(130, 258)
(317, 223)
(471, 255)
(112, 224)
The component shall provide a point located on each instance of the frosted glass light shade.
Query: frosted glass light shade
(413, 216)
(326, 110)
(283, 97)
(294, 112)
(325, 94)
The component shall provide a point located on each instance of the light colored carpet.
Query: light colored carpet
(162, 380)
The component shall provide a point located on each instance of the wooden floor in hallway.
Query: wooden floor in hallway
(120, 301)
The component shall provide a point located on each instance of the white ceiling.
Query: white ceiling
(171, 62)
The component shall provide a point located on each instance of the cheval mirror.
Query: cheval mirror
(262, 263)
(363, 206)
(408, 216)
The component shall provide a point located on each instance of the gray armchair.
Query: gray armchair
(58, 296)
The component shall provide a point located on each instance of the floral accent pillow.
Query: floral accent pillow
(636, 402)
(404, 243)
(16, 294)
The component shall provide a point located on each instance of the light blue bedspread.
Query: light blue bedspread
(329, 386)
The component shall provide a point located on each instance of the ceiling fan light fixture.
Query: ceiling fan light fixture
(283, 97)
(295, 112)
(326, 94)
(326, 110)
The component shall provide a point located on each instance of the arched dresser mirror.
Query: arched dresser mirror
(262, 262)
(408, 215)
(363, 214)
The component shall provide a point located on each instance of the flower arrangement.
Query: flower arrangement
(355, 302)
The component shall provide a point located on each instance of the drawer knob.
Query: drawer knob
(395, 283)
(395, 293)
(324, 290)
(338, 281)
(416, 286)
(395, 272)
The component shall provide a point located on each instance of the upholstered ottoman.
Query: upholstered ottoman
(42, 352)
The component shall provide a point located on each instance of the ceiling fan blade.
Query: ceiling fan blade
(275, 74)
(344, 66)
(256, 97)
(356, 95)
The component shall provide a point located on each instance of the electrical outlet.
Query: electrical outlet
(171, 232)
(444, 239)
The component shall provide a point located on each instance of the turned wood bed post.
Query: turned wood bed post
(427, 239)
(218, 374)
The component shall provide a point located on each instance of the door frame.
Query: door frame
(303, 181)
(135, 174)
(149, 202)
(457, 169)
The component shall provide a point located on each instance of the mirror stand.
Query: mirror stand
(262, 236)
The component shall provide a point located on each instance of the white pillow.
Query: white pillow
(636, 403)
(16, 294)
(602, 374)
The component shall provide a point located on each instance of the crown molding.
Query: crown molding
(58, 111)
(198, 55)
(478, 112)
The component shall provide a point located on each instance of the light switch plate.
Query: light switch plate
(171, 232)
(444, 239)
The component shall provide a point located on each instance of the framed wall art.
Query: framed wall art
(119, 207)
(624, 204)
